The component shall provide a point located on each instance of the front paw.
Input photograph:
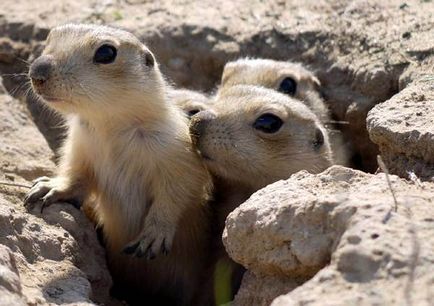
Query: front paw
(48, 190)
(152, 240)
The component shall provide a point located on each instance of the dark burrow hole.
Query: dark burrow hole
(362, 152)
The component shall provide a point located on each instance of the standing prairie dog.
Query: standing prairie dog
(252, 137)
(291, 79)
(129, 147)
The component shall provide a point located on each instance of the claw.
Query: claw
(149, 253)
(131, 249)
(44, 204)
(139, 253)
(164, 250)
(40, 179)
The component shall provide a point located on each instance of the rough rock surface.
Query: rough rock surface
(403, 128)
(50, 258)
(10, 285)
(363, 51)
(340, 230)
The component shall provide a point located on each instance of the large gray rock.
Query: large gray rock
(53, 257)
(342, 233)
(403, 128)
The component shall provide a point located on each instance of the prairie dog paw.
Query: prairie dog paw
(48, 191)
(152, 240)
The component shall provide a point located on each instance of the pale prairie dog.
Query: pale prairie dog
(288, 78)
(292, 79)
(189, 101)
(129, 147)
(254, 136)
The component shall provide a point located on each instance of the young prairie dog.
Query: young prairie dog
(252, 137)
(189, 101)
(129, 148)
(288, 78)
(291, 79)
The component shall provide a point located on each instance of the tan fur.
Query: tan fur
(270, 73)
(191, 102)
(243, 159)
(129, 147)
(242, 154)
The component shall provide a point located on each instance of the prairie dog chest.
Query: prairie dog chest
(123, 167)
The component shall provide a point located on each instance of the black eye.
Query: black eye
(192, 112)
(268, 123)
(105, 54)
(319, 139)
(288, 86)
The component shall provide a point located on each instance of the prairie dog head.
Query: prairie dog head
(189, 101)
(91, 70)
(291, 79)
(256, 136)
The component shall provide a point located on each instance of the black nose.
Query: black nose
(40, 69)
(198, 124)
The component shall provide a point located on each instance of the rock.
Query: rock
(54, 257)
(403, 128)
(363, 52)
(340, 231)
(24, 151)
(359, 59)
(260, 290)
(10, 285)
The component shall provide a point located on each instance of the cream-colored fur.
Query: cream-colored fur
(129, 147)
(233, 149)
(243, 159)
(270, 74)
(191, 102)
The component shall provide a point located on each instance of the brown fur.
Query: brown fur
(243, 160)
(128, 146)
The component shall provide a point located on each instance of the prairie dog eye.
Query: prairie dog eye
(268, 123)
(288, 86)
(106, 54)
(192, 112)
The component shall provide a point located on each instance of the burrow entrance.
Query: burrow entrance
(349, 93)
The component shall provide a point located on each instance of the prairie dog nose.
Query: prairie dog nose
(40, 69)
(198, 124)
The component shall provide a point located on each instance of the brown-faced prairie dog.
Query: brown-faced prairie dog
(189, 101)
(254, 136)
(292, 79)
(129, 147)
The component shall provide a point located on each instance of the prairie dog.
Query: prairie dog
(129, 147)
(291, 79)
(288, 78)
(254, 136)
(189, 101)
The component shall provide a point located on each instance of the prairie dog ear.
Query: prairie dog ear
(315, 81)
(228, 71)
(148, 58)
